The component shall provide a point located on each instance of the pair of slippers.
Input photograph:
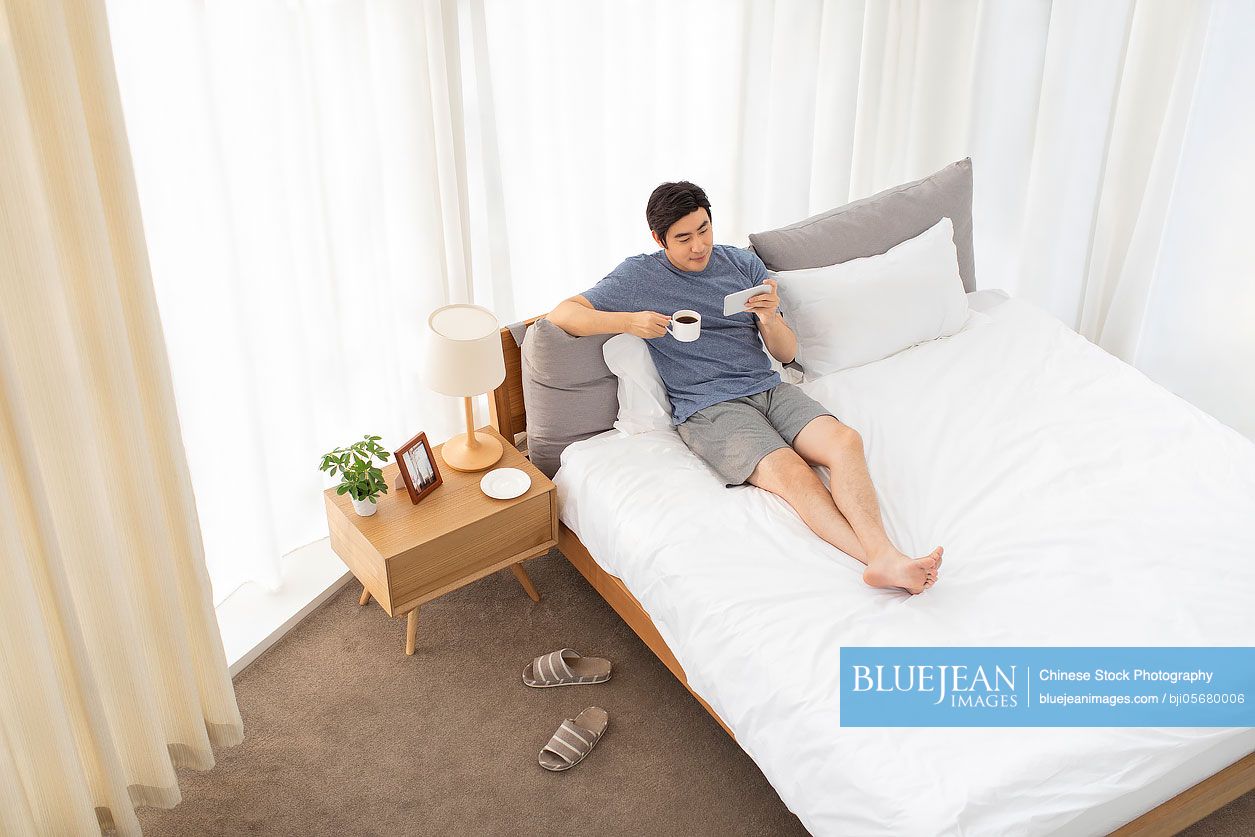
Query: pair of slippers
(575, 737)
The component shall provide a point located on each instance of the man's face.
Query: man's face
(689, 241)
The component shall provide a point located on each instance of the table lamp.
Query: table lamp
(464, 358)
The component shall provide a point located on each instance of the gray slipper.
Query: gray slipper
(574, 739)
(565, 668)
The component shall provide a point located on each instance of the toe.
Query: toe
(923, 578)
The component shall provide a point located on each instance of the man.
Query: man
(730, 406)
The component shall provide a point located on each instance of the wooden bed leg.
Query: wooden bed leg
(411, 632)
(521, 575)
(365, 596)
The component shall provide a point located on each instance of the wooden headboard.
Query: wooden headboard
(506, 409)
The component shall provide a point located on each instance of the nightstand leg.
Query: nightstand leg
(521, 575)
(365, 596)
(411, 632)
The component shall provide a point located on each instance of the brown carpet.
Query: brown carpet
(346, 735)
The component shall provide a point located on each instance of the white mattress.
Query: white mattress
(1079, 504)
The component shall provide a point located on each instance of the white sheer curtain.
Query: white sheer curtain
(316, 176)
(1110, 176)
(1188, 284)
(301, 173)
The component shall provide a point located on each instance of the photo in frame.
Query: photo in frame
(418, 467)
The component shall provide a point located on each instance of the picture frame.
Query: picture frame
(418, 467)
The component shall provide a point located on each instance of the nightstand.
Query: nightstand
(406, 554)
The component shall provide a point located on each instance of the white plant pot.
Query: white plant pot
(365, 508)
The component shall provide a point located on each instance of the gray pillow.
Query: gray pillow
(870, 226)
(569, 391)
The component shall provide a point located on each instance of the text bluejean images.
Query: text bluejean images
(1047, 687)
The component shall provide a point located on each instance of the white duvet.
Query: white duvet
(1079, 504)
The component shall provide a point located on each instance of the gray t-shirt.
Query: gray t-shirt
(728, 360)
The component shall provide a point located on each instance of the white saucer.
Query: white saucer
(505, 483)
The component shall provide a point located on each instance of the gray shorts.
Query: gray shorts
(732, 436)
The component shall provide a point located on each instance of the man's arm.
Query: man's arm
(577, 317)
(780, 339)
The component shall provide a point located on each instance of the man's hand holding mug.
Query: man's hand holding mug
(685, 325)
(647, 324)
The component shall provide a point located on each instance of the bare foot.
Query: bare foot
(894, 569)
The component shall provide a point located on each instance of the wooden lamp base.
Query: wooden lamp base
(471, 451)
(460, 455)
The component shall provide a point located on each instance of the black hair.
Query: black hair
(672, 201)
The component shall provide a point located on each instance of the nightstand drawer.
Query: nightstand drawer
(446, 559)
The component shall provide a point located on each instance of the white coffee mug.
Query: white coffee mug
(685, 326)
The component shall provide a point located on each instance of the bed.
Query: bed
(1079, 503)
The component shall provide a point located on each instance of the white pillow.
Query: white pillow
(643, 401)
(866, 309)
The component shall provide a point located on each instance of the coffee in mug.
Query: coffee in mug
(685, 326)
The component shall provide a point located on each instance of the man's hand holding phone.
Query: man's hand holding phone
(763, 302)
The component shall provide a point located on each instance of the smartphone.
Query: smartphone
(735, 303)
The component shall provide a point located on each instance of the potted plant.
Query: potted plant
(359, 478)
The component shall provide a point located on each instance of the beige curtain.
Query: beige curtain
(112, 671)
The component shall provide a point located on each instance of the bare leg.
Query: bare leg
(828, 442)
(785, 474)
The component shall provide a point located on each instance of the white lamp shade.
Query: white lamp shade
(463, 351)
